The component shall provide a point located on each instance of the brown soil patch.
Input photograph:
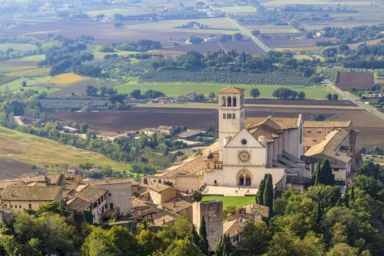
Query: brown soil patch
(358, 80)
(13, 169)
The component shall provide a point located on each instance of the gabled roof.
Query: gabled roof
(231, 90)
(158, 187)
(327, 124)
(87, 193)
(33, 193)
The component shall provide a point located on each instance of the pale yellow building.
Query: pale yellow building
(19, 198)
(160, 193)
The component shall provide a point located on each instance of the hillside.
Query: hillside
(39, 151)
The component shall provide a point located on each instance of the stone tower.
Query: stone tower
(213, 216)
(231, 115)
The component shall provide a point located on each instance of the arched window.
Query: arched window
(234, 101)
(145, 181)
(248, 180)
(241, 180)
(224, 101)
(160, 181)
(229, 104)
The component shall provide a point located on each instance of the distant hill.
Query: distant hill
(40, 152)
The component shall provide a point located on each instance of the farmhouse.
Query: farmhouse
(249, 148)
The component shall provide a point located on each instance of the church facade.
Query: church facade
(251, 147)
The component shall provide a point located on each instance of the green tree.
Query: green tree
(203, 244)
(197, 196)
(200, 97)
(225, 247)
(183, 248)
(268, 194)
(260, 192)
(329, 96)
(211, 95)
(335, 96)
(257, 237)
(52, 207)
(24, 83)
(238, 36)
(301, 95)
(193, 236)
(136, 94)
(255, 32)
(103, 91)
(324, 173)
(343, 249)
(84, 127)
(255, 93)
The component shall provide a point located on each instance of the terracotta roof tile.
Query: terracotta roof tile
(30, 193)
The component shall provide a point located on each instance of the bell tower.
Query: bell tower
(231, 114)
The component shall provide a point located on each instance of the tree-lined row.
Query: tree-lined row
(179, 75)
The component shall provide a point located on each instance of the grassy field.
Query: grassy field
(38, 57)
(67, 78)
(36, 83)
(300, 49)
(234, 9)
(178, 89)
(232, 200)
(273, 29)
(111, 12)
(39, 151)
(38, 72)
(20, 47)
(302, 57)
(100, 55)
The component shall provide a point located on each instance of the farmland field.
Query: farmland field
(78, 88)
(269, 29)
(178, 89)
(245, 45)
(39, 151)
(358, 80)
(11, 169)
(67, 78)
(294, 43)
(36, 83)
(110, 122)
(37, 72)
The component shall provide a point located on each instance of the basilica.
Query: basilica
(249, 148)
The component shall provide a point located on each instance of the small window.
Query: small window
(224, 116)
(319, 131)
(244, 142)
(15, 206)
(20, 206)
(11, 206)
(229, 116)
(109, 194)
(233, 116)
(30, 206)
(309, 131)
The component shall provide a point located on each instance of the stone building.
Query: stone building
(212, 211)
(19, 198)
(159, 193)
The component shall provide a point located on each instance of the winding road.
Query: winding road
(357, 102)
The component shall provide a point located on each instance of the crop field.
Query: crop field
(169, 25)
(358, 80)
(53, 104)
(34, 58)
(110, 12)
(269, 29)
(36, 83)
(294, 43)
(15, 66)
(177, 89)
(302, 57)
(11, 168)
(299, 49)
(7, 79)
(237, 9)
(245, 45)
(78, 88)
(67, 78)
(20, 47)
(110, 122)
(38, 72)
(237, 201)
(39, 151)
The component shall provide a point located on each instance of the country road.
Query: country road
(357, 102)
(254, 39)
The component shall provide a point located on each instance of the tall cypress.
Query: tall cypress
(225, 247)
(318, 212)
(324, 173)
(203, 243)
(260, 191)
(268, 193)
(193, 236)
(352, 195)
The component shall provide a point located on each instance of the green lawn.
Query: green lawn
(39, 151)
(36, 83)
(177, 89)
(38, 57)
(237, 201)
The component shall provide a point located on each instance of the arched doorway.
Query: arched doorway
(241, 180)
(247, 180)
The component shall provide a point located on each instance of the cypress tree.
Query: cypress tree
(352, 196)
(318, 212)
(260, 191)
(268, 193)
(324, 174)
(193, 236)
(203, 243)
(225, 247)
